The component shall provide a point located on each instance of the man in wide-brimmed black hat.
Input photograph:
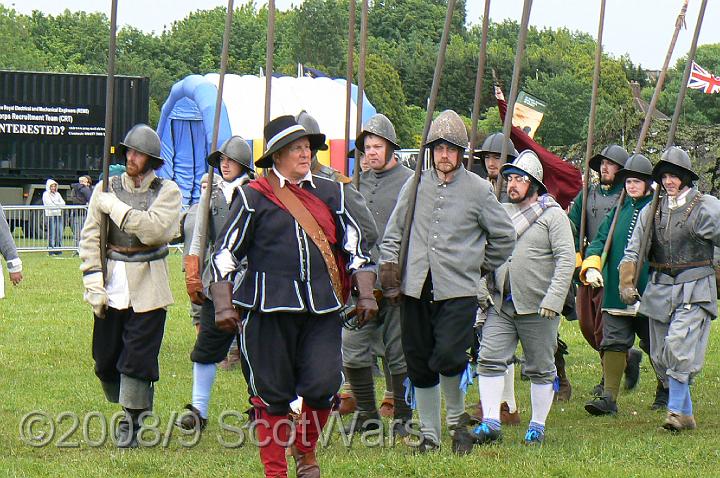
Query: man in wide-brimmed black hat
(303, 251)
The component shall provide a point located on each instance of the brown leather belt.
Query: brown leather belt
(131, 249)
(662, 266)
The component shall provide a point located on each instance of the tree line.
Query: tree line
(402, 46)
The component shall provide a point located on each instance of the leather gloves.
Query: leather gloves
(366, 307)
(390, 281)
(227, 318)
(193, 282)
(594, 277)
(95, 293)
(628, 293)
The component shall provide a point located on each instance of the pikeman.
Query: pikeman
(601, 198)
(620, 323)
(459, 232)
(303, 249)
(489, 159)
(130, 303)
(680, 298)
(529, 294)
(234, 161)
(380, 186)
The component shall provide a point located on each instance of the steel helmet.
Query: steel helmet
(673, 160)
(494, 144)
(235, 148)
(448, 126)
(378, 125)
(637, 166)
(528, 163)
(613, 152)
(311, 126)
(141, 138)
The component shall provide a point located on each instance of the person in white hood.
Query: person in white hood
(52, 200)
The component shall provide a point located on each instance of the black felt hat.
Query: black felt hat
(282, 131)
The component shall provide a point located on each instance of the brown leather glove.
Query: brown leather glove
(227, 318)
(390, 282)
(628, 293)
(366, 307)
(193, 282)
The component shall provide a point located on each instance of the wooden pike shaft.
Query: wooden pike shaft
(645, 243)
(107, 143)
(591, 129)
(349, 74)
(204, 207)
(269, 54)
(361, 86)
(437, 76)
(517, 66)
(482, 57)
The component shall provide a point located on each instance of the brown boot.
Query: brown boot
(676, 422)
(387, 407)
(507, 418)
(348, 404)
(306, 465)
(231, 361)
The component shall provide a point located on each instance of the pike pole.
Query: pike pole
(204, 207)
(107, 144)
(679, 22)
(482, 56)
(269, 54)
(437, 75)
(591, 129)
(645, 243)
(507, 124)
(349, 76)
(361, 87)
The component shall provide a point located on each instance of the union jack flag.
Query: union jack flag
(701, 79)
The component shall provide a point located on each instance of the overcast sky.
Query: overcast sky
(641, 28)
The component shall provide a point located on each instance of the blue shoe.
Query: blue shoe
(534, 437)
(484, 434)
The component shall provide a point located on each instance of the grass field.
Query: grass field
(46, 365)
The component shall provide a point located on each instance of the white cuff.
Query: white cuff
(14, 265)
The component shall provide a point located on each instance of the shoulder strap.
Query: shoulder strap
(307, 221)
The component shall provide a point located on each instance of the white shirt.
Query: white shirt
(283, 179)
(679, 200)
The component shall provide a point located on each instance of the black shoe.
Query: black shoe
(601, 405)
(462, 440)
(426, 446)
(362, 422)
(401, 426)
(484, 434)
(192, 420)
(599, 389)
(662, 395)
(632, 369)
(126, 433)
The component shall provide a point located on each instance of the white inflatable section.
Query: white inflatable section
(323, 98)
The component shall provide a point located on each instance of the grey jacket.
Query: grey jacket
(381, 190)
(459, 228)
(7, 245)
(663, 293)
(541, 266)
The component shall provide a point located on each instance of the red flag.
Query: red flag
(562, 179)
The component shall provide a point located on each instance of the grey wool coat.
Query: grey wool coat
(459, 228)
(541, 266)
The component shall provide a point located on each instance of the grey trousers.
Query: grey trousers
(359, 345)
(500, 336)
(678, 347)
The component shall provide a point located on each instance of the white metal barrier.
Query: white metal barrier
(32, 230)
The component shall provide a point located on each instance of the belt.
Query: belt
(139, 254)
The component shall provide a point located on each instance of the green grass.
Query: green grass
(46, 331)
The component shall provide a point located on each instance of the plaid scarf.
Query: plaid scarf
(522, 220)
